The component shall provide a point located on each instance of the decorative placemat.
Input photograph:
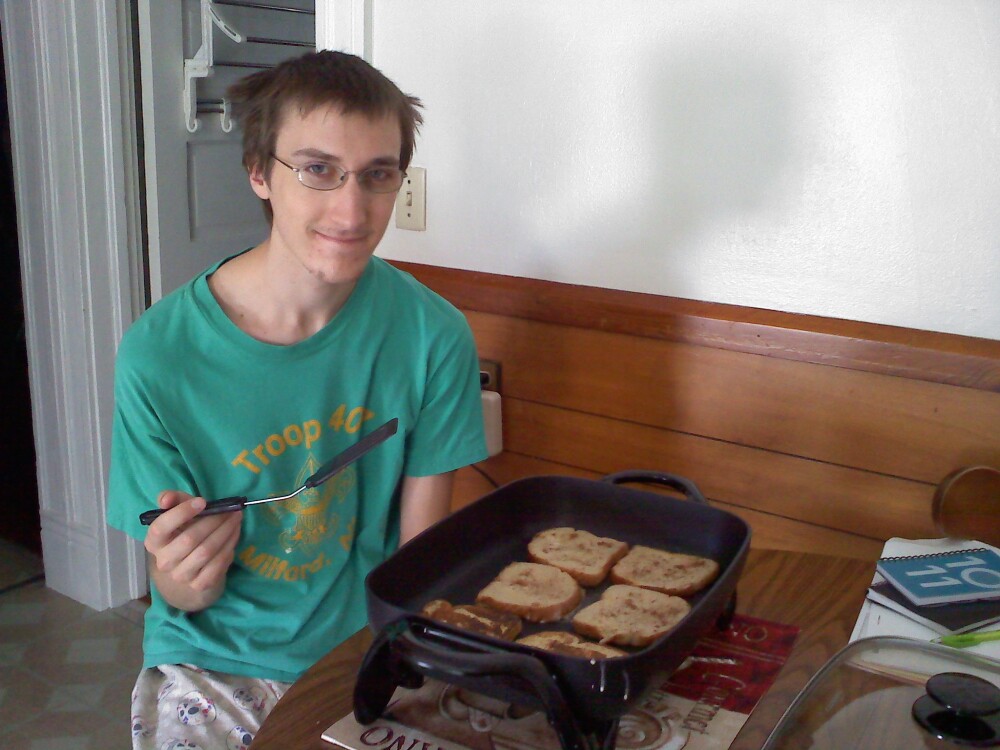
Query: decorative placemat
(701, 707)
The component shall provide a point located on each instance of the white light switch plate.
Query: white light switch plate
(411, 201)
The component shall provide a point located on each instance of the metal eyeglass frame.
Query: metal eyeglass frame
(358, 174)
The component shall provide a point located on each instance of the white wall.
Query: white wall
(833, 157)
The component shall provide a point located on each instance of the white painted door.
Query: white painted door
(199, 205)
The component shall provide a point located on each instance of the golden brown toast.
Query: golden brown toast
(570, 644)
(476, 618)
(586, 557)
(540, 593)
(630, 616)
(667, 572)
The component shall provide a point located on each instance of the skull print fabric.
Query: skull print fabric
(180, 707)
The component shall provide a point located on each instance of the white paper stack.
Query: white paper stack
(876, 620)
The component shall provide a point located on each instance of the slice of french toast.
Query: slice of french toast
(667, 572)
(570, 644)
(585, 556)
(476, 618)
(539, 593)
(630, 616)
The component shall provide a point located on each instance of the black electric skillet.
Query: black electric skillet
(456, 558)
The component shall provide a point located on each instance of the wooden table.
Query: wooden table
(821, 595)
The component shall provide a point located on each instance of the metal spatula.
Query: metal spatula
(325, 472)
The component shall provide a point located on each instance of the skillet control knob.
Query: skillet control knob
(960, 708)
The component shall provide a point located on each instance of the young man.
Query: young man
(248, 378)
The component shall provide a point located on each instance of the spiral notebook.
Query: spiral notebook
(877, 620)
(961, 617)
(944, 577)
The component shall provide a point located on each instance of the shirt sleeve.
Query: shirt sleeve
(144, 459)
(449, 431)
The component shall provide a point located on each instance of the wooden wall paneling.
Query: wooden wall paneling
(913, 429)
(469, 486)
(824, 434)
(778, 532)
(922, 355)
(504, 468)
(827, 495)
(769, 531)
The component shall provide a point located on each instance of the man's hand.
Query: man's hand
(190, 556)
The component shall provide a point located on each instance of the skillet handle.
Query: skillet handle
(674, 481)
(403, 652)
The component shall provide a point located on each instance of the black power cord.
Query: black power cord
(485, 476)
(22, 584)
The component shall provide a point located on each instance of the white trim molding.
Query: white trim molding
(345, 25)
(72, 117)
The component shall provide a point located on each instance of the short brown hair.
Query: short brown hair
(313, 80)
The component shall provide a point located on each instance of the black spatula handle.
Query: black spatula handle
(225, 505)
(353, 453)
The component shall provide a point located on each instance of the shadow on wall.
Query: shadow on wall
(629, 154)
(626, 150)
(722, 138)
(715, 133)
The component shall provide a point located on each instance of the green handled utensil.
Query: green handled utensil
(964, 640)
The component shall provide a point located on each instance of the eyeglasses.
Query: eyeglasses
(320, 175)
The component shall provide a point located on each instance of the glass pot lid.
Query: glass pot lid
(885, 693)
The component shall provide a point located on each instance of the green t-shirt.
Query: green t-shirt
(202, 407)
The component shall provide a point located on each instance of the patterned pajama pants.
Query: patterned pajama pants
(181, 707)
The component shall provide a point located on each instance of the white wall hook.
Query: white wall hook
(200, 66)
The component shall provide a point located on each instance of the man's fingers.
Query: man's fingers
(168, 499)
(206, 543)
(172, 498)
(215, 569)
(179, 531)
(180, 510)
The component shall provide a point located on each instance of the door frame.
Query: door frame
(71, 96)
(72, 120)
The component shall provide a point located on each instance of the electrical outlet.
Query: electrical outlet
(489, 375)
(492, 422)
(489, 382)
(411, 201)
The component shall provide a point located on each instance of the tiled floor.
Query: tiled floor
(66, 671)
